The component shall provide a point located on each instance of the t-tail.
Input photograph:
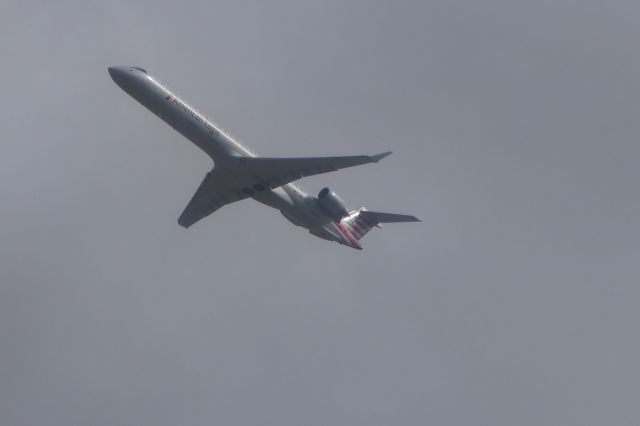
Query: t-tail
(358, 222)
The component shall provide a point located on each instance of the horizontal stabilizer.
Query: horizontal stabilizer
(379, 157)
(360, 221)
(378, 217)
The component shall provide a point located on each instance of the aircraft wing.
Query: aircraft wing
(214, 192)
(275, 172)
(239, 180)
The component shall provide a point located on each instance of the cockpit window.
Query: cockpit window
(139, 69)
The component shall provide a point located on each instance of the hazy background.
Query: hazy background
(515, 131)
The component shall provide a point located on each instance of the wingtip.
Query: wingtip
(412, 218)
(376, 158)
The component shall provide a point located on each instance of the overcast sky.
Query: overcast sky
(515, 132)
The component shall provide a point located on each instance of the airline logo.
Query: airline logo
(356, 225)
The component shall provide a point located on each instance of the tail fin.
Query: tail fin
(360, 221)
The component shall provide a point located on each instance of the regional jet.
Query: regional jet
(238, 173)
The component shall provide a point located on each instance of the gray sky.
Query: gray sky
(514, 126)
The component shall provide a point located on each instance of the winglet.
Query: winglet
(376, 158)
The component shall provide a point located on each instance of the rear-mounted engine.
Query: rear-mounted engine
(331, 204)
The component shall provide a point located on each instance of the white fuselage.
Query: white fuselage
(295, 204)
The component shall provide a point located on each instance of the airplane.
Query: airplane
(238, 173)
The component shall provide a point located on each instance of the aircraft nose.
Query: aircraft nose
(118, 74)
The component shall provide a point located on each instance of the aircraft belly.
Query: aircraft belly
(295, 210)
(276, 198)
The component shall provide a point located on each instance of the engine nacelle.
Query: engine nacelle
(331, 204)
